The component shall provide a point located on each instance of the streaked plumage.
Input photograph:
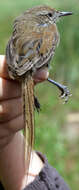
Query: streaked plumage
(33, 41)
(31, 46)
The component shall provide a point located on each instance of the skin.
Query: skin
(12, 171)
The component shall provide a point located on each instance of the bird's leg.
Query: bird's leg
(64, 90)
(37, 104)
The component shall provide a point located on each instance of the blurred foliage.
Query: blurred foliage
(61, 153)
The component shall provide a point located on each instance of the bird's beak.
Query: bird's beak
(65, 14)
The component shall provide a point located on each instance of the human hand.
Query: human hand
(11, 117)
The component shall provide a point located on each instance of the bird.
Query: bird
(31, 46)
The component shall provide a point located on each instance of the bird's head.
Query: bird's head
(47, 14)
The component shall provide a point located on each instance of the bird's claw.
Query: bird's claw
(65, 94)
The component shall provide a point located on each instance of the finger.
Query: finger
(10, 109)
(9, 89)
(14, 125)
(4, 132)
(3, 67)
(41, 75)
(5, 140)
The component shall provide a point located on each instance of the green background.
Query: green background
(52, 132)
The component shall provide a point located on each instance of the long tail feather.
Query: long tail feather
(28, 112)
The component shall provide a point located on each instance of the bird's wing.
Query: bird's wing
(29, 56)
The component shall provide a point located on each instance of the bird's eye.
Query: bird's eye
(50, 14)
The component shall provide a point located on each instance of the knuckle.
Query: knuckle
(5, 141)
(3, 131)
(3, 112)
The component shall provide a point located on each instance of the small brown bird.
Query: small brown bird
(31, 47)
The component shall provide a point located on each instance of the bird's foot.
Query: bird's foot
(65, 93)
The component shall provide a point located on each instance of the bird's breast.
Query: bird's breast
(50, 39)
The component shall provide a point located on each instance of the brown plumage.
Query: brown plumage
(31, 46)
